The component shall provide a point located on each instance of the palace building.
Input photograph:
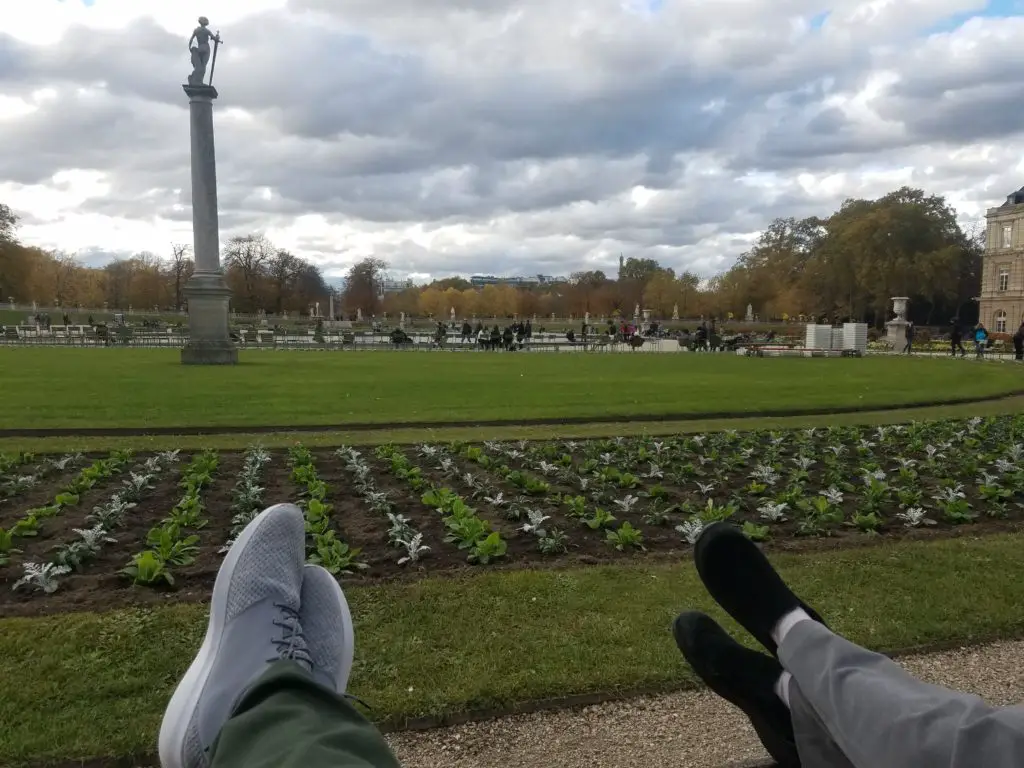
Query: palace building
(1002, 274)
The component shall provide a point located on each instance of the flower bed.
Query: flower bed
(402, 512)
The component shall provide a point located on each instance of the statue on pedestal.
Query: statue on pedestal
(201, 55)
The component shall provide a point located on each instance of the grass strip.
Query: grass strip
(565, 431)
(275, 388)
(95, 685)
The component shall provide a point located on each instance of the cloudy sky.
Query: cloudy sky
(503, 136)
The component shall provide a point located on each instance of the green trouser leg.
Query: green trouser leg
(288, 720)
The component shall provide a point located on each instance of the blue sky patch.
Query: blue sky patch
(995, 9)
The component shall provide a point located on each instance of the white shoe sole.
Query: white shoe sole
(178, 715)
(348, 631)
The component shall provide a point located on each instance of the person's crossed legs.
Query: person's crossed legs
(267, 686)
(847, 706)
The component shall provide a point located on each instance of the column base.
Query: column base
(194, 354)
(209, 338)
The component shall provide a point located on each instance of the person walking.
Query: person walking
(1018, 343)
(908, 349)
(956, 337)
(980, 340)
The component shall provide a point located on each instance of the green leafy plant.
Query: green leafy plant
(466, 531)
(756, 532)
(7, 546)
(335, 555)
(601, 518)
(867, 522)
(713, 513)
(488, 549)
(625, 536)
(169, 546)
(148, 569)
(554, 542)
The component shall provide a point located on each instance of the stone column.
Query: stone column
(207, 292)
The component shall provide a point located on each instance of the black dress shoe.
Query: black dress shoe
(744, 583)
(743, 677)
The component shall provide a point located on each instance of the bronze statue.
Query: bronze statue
(201, 53)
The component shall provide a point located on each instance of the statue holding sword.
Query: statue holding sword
(201, 55)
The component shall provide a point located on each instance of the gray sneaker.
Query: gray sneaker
(327, 625)
(254, 621)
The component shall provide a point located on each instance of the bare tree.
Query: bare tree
(248, 255)
(180, 271)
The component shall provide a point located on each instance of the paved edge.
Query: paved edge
(578, 701)
(365, 426)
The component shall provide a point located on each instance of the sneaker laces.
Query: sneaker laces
(292, 643)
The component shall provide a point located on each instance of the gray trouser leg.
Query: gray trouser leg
(814, 743)
(881, 717)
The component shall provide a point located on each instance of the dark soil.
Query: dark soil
(99, 586)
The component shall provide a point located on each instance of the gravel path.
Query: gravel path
(684, 730)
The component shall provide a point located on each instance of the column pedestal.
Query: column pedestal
(209, 341)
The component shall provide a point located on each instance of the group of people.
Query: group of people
(511, 338)
(978, 335)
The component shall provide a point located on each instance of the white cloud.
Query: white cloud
(500, 136)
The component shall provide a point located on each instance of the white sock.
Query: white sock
(787, 622)
(782, 687)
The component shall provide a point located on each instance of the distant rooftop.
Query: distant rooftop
(1017, 198)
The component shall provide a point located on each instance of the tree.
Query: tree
(64, 267)
(687, 290)
(633, 279)
(458, 283)
(246, 256)
(310, 288)
(180, 271)
(639, 270)
(8, 225)
(661, 293)
(118, 283)
(583, 290)
(363, 286)
(432, 303)
(406, 301)
(283, 271)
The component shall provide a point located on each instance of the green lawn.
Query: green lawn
(236, 441)
(69, 388)
(78, 686)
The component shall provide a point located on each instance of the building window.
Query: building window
(1007, 235)
(1004, 277)
(1000, 321)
